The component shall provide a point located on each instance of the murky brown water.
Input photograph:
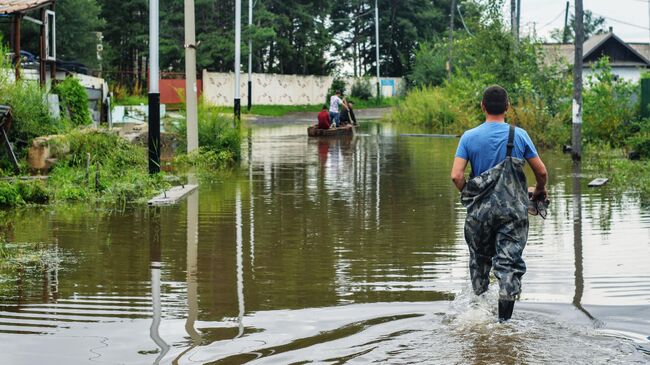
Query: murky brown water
(328, 252)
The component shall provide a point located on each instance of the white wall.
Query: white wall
(274, 89)
(627, 73)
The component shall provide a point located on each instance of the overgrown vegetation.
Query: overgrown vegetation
(625, 175)
(361, 89)
(219, 139)
(74, 100)
(541, 94)
(97, 166)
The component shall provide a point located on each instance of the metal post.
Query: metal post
(250, 54)
(452, 12)
(237, 61)
(154, 91)
(190, 78)
(377, 49)
(577, 83)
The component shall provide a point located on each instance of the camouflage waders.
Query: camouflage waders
(496, 228)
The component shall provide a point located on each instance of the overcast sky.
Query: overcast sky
(549, 14)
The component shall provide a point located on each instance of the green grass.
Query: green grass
(282, 110)
(269, 110)
(624, 175)
(118, 174)
(131, 100)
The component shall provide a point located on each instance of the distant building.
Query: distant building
(628, 60)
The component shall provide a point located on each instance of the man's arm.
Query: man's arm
(541, 175)
(458, 172)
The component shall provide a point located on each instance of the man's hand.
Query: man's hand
(458, 173)
(539, 169)
(539, 194)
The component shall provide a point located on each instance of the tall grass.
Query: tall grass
(432, 108)
(219, 138)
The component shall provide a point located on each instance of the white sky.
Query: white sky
(549, 14)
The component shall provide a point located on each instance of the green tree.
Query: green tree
(78, 22)
(593, 25)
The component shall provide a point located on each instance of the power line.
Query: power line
(622, 21)
(554, 19)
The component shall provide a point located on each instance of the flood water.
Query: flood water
(328, 252)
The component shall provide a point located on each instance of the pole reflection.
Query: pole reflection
(192, 269)
(577, 240)
(240, 262)
(155, 258)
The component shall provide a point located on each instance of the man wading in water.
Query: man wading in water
(496, 198)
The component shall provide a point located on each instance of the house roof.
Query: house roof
(21, 6)
(556, 52)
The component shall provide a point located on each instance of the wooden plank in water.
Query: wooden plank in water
(598, 182)
(429, 135)
(173, 195)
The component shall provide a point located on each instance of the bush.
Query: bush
(432, 107)
(362, 89)
(118, 170)
(607, 105)
(75, 99)
(429, 65)
(545, 128)
(31, 116)
(28, 102)
(216, 133)
(15, 193)
(337, 84)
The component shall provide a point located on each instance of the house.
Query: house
(628, 60)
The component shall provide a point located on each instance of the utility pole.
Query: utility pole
(153, 139)
(577, 83)
(518, 20)
(565, 35)
(377, 49)
(190, 78)
(237, 62)
(250, 54)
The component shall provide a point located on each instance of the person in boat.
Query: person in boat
(496, 198)
(324, 118)
(347, 113)
(335, 107)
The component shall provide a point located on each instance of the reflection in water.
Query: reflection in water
(240, 263)
(378, 178)
(577, 238)
(192, 266)
(332, 284)
(156, 265)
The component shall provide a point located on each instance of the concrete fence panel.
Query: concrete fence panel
(274, 89)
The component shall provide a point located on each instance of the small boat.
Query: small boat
(346, 130)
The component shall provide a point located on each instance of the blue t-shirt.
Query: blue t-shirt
(485, 146)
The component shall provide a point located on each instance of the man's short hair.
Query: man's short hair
(325, 107)
(338, 92)
(495, 100)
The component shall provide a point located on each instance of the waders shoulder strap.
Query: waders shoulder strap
(511, 141)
